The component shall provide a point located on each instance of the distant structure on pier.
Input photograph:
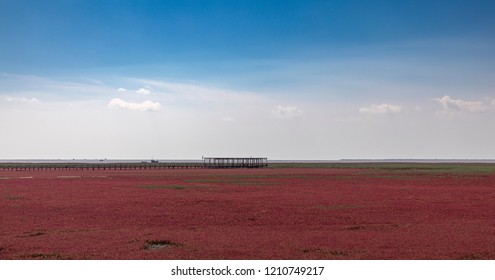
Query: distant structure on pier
(234, 162)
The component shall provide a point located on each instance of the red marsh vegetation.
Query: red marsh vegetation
(363, 212)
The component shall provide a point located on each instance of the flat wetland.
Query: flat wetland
(285, 211)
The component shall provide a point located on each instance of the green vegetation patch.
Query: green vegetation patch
(14, 197)
(235, 181)
(331, 254)
(46, 256)
(412, 167)
(372, 227)
(338, 207)
(477, 256)
(172, 187)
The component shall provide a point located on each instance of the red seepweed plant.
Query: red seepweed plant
(276, 213)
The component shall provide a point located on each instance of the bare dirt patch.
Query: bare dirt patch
(160, 244)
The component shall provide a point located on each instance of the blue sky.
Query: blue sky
(318, 79)
(53, 35)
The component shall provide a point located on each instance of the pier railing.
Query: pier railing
(230, 162)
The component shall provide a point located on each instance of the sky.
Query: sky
(287, 80)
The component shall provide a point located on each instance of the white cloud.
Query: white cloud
(143, 91)
(25, 100)
(147, 105)
(122, 90)
(381, 109)
(493, 102)
(288, 112)
(451, 105)
(30, 100)
(197, 93)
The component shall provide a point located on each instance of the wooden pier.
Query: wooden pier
(155, 165)
(227, 162)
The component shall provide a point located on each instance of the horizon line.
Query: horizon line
(344, 160)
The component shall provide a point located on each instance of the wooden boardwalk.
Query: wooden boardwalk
(231, 162)
(98, 166)
(207, 163)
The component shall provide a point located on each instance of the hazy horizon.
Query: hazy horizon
(287, 80)
(269, 160)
